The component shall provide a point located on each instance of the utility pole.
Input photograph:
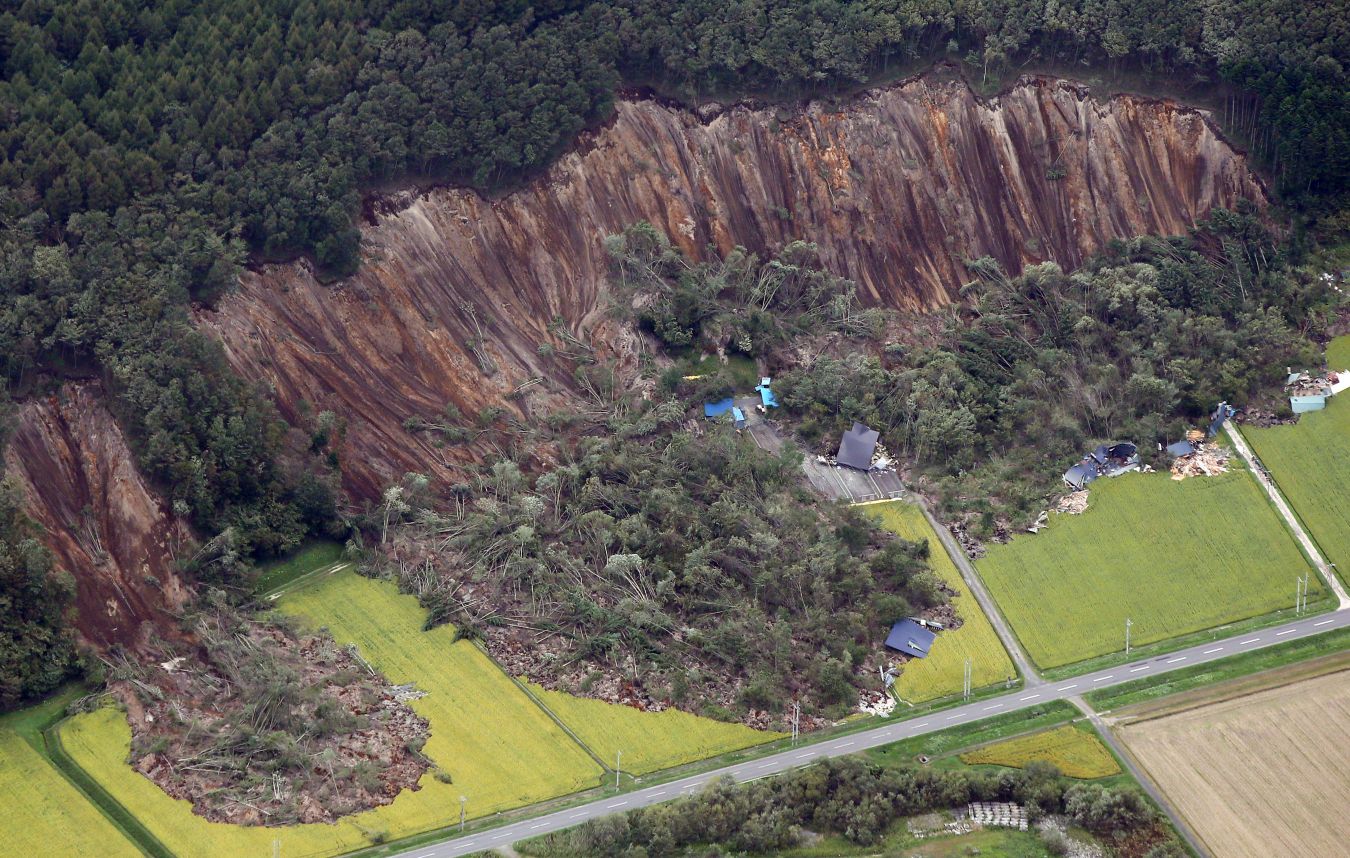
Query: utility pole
(462, 800)
(796, 720)
(965, 682)
(1128, 622)
(276, 849)
(618, 761)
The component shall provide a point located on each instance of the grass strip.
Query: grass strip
(1244, 664)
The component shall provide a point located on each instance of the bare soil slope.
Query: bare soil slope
(897, 186)
(103, 522)
(1259, 775)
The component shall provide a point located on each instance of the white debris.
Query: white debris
(172, 664)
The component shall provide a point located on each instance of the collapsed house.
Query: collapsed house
(1105, 461)
(857, 446)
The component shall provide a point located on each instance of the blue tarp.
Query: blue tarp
(1303, 404)
(911, 638)
(717, 409)
(766, 394)
(739, 417)
(1180, 448)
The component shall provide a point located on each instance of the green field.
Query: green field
(650, 741)
(501, 749)
(1310, 461)
(1174, 557)
(1076, 753)
(940, 673)
(44, 813)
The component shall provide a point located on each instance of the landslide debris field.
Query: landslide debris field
(489, 741)
(1258, 771)
(1310, 462)
(940, 673)
(1172, 557)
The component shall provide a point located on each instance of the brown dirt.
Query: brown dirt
(1257, 770)
(353, 740)
(896, 187)
(102, 521)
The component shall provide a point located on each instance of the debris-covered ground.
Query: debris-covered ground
(1209, 461)
(261, 725)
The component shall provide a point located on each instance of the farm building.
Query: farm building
(766, 394)
(1104, 461)
(857, 446)
(718, 408)
(911, 637)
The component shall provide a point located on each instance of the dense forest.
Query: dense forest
(858, 800)
(147, 150)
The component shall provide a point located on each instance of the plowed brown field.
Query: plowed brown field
(1261, 775)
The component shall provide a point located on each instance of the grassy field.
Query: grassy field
(501, 749)
(279, 573)
(44, 813)
(940, 673)
(1258, 770)
(649, 740)
(1310, 461)
(1174, 557)
(1077, 753)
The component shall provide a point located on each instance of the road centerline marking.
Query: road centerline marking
(1067, 687)
(1286, 632)
(1177, 659)
(1028, 697)
(1247, 641)
(1323, 623)
(1139, 668)
(1104, 678)
(1208, 651)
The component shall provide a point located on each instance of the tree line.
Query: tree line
(856, 799)
(147, 150)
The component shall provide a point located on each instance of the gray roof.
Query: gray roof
(911, 638)
(857, 446)
(1181, 448)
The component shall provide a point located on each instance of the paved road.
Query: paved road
(1178, 821)
(894, 731)
(1030, 677)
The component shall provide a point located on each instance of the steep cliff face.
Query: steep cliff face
(103, 523)
(897, 187)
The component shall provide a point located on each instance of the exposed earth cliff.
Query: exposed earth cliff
(897, 187)
(457, 294)
(103, 523)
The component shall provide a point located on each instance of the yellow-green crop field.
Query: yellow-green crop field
(650, 741)
(501, 749)
(1174, 557)
(1077, 753)
(941, 672)
(1310, 461)
(44, 814)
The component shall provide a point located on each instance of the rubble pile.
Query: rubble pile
(1074, 503)
(1209, 461)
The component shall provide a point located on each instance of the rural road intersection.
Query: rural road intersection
(917, 726)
